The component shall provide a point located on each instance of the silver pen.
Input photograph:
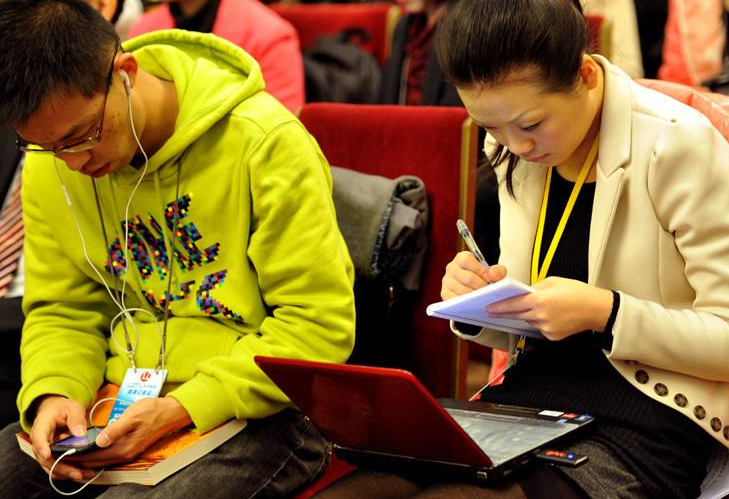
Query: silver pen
(470, 242)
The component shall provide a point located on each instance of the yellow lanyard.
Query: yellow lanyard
(538, 274)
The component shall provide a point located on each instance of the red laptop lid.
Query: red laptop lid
(373, 409)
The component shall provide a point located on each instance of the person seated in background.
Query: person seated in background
(120, 13)
(693, 48)
(176, 215)
(412, 75)
(620, 20)
(613, 207)
(271, 40)
(651, 16)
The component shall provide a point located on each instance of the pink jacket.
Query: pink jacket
(271, 40)
(694, 44)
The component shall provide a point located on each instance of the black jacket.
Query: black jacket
(436, 91)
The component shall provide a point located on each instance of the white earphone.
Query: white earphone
(127, 84)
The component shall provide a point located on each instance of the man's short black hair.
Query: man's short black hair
(47, 48)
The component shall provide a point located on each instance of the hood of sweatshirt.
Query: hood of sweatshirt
(211, 76)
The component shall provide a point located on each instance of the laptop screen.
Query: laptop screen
(504, 437)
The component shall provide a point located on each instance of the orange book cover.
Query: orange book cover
(161, 459)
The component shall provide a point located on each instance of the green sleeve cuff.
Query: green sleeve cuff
(50, 386)
(204, 398)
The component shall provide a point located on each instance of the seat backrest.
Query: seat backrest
(714, 106)
(600, 34)
(438, 145)
(314, 20)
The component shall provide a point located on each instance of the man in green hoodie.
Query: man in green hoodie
(177, 218)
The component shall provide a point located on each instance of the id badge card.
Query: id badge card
(139, 384)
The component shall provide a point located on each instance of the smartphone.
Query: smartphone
(81, 444)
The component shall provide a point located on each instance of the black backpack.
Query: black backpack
(337, 70)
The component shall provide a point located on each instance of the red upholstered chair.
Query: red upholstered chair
(314, 20)
(600, 34)
(336, 470)
(714, 106)
(439, 145)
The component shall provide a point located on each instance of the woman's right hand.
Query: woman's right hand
(465, 274)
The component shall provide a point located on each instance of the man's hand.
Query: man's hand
(465, 274)
(559, 307)
(142, 424)
(55, 417)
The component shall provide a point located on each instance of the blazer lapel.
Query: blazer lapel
(615, 146)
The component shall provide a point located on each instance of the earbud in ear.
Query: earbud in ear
(125, 77)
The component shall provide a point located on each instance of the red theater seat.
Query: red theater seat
(439, 145)
(714, 106)
(600, 34)
(314, 20)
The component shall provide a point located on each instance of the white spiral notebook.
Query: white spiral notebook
(471, 307)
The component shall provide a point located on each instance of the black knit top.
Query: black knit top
(666, 451)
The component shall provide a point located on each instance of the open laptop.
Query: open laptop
(379, 416)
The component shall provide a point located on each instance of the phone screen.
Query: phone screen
(81, 444)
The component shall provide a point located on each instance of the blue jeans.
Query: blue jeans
(270, 458)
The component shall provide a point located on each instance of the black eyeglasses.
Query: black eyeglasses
(81, 145)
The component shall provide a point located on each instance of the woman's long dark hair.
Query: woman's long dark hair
(481, 42)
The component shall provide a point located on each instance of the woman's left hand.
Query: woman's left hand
(559, 307)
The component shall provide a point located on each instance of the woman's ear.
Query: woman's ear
(589, 71)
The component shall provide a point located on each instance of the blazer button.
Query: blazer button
(699, 412)
(715, 424)
(726, 432)
(661, 389)
(641, 377)
(680, 400)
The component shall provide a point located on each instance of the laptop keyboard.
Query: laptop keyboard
(504, 437)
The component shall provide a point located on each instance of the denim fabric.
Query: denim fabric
(270, 458)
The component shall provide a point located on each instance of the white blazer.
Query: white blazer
(659, 235)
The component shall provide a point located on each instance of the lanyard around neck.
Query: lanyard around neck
(131, 349)
(538, 274)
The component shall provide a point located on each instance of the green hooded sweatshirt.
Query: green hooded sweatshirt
(259, 264)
